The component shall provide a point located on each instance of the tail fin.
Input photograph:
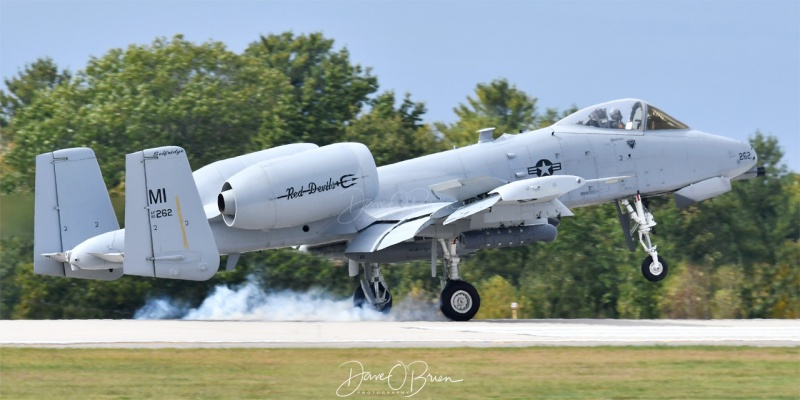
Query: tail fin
(71, 205)
(167, 234)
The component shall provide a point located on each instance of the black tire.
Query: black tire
(360, 301)
(459, 301)
(654, 274)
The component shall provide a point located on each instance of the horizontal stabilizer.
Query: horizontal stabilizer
(110, 257)
(166, 231)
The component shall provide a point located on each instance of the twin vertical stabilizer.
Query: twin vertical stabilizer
(77, 235)
(166, 231)
(72, 205)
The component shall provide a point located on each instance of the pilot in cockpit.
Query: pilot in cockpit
(616, 119)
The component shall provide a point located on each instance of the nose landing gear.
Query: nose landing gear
(654, 268)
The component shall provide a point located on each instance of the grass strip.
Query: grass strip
(459, 373)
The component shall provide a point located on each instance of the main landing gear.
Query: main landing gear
(372, 291)
(459, 301)
(654, 268)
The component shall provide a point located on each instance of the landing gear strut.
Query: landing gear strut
(459, 300)
(654, 268)
(372, 290)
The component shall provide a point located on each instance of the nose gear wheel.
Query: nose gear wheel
(654, 271)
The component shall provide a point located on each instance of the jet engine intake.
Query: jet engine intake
(301, 188)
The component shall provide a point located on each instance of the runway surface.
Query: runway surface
(496, 333)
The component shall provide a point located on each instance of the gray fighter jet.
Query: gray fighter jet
(333, 201)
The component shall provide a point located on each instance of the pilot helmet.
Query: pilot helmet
(616, 115)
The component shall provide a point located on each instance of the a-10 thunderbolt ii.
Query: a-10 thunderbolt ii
(334, 201)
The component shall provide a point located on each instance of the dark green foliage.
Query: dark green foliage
(37, 78)
(391, 134)
(327, 90)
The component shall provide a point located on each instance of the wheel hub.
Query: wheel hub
(461, 301)
(656, 268)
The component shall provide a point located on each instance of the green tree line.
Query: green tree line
(734, 256)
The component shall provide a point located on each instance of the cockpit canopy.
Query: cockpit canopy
(630, 114)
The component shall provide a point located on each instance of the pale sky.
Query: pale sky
(724, 67)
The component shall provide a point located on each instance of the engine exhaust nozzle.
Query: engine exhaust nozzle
(226, 202)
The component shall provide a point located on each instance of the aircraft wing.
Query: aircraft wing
(545, 189)
(395, 224)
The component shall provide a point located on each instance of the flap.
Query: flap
(404, 231)
(399, 213)
(472, 208)
(367, 240)
(397, 225)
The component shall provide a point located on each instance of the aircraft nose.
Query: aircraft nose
(746, 158)
(749, 154)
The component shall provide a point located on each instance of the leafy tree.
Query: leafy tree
(551, 116)
(202, 97)
(327, 90)
(741, 237)
(214, 103)
(498, 104)
(501, 105)
(393, 135)
(38, 77)
(15, 253)
(497, 294)
(727, 302)
(687, 293)
(752, 228)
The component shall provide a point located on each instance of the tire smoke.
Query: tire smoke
(250, 302)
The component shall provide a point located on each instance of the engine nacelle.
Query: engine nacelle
(211, 177)
(301, 188)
